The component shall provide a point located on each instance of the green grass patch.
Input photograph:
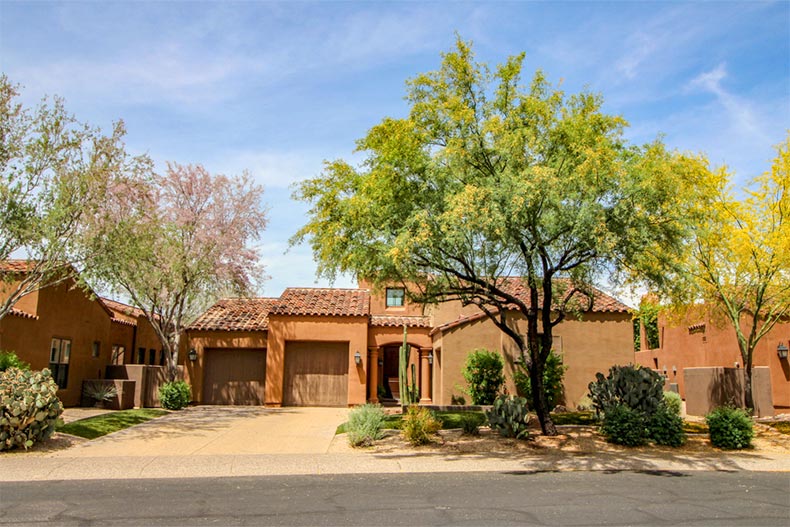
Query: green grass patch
(104, 424)
(695, 428)
(448, 420)
(574, 418)
(780, 426)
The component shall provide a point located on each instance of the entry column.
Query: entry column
(425, 375)
(373, 374)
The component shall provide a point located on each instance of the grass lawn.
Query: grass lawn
(104, 424)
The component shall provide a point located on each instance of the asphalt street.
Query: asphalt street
(518, 498)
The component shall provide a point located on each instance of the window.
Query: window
(59, 354)
(96, 349)
(152, 357)
(140, 356)
(395, 296)
(161, 357)
(118, 352)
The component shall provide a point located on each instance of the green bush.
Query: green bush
(674, 402)
(552, 381)
(730, 428)
(8, 359)
(29, 407)
(665, 426)
(483, 372)
(624, 425)
(471, 422)
(509, 416)
(636, 387)
(419, 425)
(175, 395)
(364, 424)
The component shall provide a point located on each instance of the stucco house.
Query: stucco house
(338, 347)
(72, 332)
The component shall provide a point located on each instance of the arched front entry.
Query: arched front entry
(384, 381)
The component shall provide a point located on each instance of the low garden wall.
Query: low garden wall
(709, 387)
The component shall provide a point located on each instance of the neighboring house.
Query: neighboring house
(698, 341)
(72, 332)
(338, 347)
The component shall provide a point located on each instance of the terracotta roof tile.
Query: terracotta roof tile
(323, 302)
(236, 314)
(602, 302)
(391, 320)
(120, 307)
(22, 314)
(16, 266)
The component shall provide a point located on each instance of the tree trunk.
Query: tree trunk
(747, 383)
(536, 368)
(172, 357)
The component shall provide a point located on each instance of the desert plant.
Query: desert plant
(674, 402)
(483, 372)
(470, 423)
(665, 426)
(175, 395)
(9, 359)
(99, 391)
(552, 380)
(29, 407)
(364, 424)
(624, 425)
(419, 424)
(636, 387)
(509, 416)
(730, 428)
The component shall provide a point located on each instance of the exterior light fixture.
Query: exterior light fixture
(737, 365)
(357, 358)
(430, 357)
(781, 350)
(192, 354)
(665, 370)
(381, 361)
(674, 371)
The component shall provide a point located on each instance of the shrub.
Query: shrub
(673, 401)
(483, 373)
(8, 359)
(509, 416)
(665, 426)
(470, 423)
(29, 407)
(175, 395)
(552, 380)
(624, 425)
(730, 428)
(635, 387)
(364, 424)
(419, 424)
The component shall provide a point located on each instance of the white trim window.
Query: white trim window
(59, 356)
(395, 296)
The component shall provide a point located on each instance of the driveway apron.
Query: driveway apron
(222, 430)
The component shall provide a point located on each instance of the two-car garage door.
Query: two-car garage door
(316, 374)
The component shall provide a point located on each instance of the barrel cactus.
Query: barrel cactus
(29, 407)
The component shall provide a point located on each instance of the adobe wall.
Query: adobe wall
(351, 329)
(589, 345)
(684, 344)
(202, 340)
(710, 387)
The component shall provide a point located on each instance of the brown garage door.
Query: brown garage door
(234, 376)
(316, 374)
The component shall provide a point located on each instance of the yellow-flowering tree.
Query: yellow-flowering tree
(740, 261)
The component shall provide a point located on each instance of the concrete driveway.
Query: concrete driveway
(221, 430)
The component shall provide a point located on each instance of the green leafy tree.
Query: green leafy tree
(54, 175)
(483, 372)
(488, 179)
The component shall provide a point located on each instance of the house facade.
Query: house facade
(73, 333)
(338, 347)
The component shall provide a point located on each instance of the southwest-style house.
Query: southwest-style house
(338, 347)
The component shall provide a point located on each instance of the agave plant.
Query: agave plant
(100, 391)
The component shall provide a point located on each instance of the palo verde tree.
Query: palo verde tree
(739, 263)
(173, 243)
(54, 174)
(487, 179)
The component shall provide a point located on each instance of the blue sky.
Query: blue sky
(276, 88)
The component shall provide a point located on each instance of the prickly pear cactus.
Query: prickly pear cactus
(508, 416)
(29, 407)
(638, 388)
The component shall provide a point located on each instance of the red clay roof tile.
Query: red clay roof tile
(323, 302)
(236, 314)
(22, 314)
(398, 321)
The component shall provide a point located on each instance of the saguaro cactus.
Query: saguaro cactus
(409, 393)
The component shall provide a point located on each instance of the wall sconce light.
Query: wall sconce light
(357, 358)
(665, 370)
(430, 357)
(674, 371)
(737, 365)
(781, 350)
(192, 354)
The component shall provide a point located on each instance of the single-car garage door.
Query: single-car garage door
(234, 376)
(316, 374)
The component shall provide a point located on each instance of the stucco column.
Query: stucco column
(373, 374)
(425, 376)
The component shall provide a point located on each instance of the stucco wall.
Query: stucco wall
(715, 345)
(282, 329)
